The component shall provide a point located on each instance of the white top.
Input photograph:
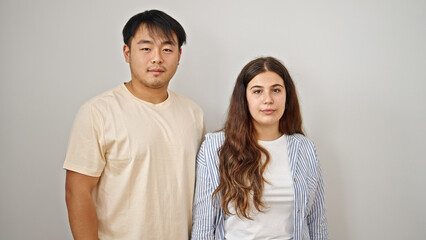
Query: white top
(144, 154)
(277, 220)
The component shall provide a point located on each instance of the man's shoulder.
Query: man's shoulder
(183, 100)
(104, 98)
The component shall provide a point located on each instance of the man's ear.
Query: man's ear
(180, 53)
(126, 52)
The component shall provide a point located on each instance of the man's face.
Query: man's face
(153, 59)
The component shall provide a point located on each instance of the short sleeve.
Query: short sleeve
(86, 153)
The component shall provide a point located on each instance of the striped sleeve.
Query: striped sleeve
(316, 215)
(203, 215)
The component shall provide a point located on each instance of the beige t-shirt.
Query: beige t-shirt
(144, 154)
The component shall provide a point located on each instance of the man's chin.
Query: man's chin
(157, 85)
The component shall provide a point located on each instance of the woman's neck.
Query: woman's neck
(268, 133)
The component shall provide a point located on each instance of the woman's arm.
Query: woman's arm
(203, 213)
(317, 219)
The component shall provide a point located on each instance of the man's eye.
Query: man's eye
(145, 49)
(167, 50)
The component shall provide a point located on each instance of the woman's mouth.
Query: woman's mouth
(268, 111)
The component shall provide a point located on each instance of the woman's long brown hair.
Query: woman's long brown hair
(240, 165)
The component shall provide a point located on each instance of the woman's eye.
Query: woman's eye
(277, 90)
(256, 91)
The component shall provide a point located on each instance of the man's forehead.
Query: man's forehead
(156, 33)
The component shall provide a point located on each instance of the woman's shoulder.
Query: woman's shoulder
(302, 139)
(214, 138)
(208, 153)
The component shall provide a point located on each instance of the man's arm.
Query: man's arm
(81, 209)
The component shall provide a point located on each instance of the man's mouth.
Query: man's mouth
(156, 71)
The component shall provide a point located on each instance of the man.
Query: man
(131, 157)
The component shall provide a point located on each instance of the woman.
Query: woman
(260, 178)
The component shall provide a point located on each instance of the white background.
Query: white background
(359, 68)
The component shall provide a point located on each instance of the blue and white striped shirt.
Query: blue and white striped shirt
(310, 220)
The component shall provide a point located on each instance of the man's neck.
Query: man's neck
(146, 94)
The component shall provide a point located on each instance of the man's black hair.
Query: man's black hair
(157, 22)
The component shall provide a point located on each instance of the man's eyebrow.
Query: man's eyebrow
(143, 41)
(168, 42)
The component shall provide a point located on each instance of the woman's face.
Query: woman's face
(266, 100)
